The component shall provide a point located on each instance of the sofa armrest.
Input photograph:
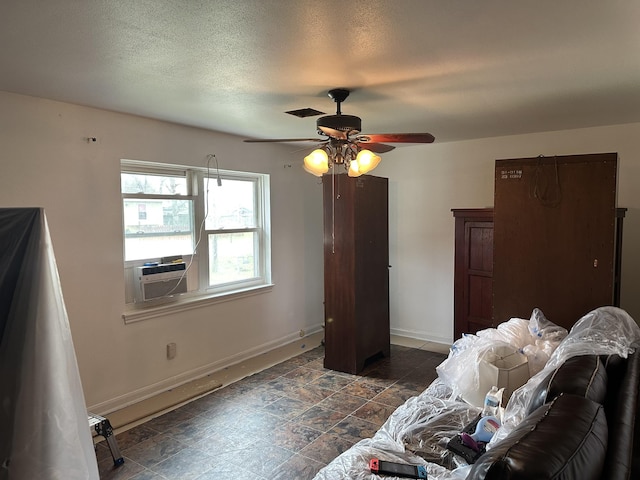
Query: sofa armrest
(623, 460)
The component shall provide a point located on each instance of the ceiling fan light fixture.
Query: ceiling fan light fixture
(343, 142)
(317, 162)
(366, 161)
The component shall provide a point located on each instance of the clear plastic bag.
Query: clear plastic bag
(461, 371)
(425, 424)
(544, 330)
(418, 431)
(537, 338)
(603, 331)
(515, 332)
(354, 463)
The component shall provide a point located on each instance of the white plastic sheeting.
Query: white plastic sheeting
(535, 338)
(604, 331)
(44, 432)
(417, 432)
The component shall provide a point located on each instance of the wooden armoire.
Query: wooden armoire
(356, 270)
(556, 236)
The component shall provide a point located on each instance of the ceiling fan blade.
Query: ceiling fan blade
(266, 140)
(377, 147)
(397, 138)
(333, 133)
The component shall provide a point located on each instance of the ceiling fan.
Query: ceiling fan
(341, 142)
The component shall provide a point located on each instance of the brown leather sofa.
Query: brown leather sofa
(581, 424)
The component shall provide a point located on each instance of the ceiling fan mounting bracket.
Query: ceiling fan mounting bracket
(338, 95)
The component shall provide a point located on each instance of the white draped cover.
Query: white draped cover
(44, 431)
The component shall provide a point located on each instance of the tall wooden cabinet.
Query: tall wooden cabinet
(552, 241)
(554, 236)
(356, 270)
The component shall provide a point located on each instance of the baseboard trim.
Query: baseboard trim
(290, 345)
(421, 335)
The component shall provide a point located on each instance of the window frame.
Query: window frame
(262, 264)
(196, 189)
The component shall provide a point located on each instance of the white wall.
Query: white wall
(427, 181)
(46, 162)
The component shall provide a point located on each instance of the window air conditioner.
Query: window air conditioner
(162, 280)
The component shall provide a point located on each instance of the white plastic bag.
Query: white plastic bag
(603, 331)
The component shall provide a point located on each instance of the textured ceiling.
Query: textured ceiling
(459, 69)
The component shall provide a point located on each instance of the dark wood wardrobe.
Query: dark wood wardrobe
(556, 237)
(356, 270)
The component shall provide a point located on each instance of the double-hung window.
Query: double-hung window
(216, 222)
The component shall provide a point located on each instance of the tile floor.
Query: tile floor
(285, 422)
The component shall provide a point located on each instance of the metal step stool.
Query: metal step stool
(103, 427)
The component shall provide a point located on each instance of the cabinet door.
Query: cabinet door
(473, 289)
(554, 221)
(371, 282)
(356, 259)
(478, 299)
(340, 333)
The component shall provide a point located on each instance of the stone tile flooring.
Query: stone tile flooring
(285, 422)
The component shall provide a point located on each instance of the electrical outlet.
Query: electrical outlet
(171, 350)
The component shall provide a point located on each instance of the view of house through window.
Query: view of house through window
(157, 222)
(220, 219)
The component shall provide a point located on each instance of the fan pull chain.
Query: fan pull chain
(333, 211)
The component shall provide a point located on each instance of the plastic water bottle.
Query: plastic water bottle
(492, 402)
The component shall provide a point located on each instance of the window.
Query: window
(158, 214)
(232, 224)
(216, 221)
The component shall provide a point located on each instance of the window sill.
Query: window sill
(137, 313)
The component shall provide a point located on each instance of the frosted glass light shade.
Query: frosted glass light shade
(317, 162)
(366, 161)
(353, 169)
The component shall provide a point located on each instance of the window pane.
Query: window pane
(153, 184)
(231, 257)
(230, 205)
(157, 228)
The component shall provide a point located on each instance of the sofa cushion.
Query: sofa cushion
(564, 439)
(584, 375)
